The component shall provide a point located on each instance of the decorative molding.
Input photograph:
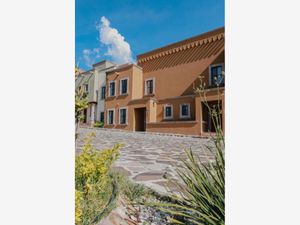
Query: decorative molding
(182, 48)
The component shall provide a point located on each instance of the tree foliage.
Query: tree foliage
(81, 103)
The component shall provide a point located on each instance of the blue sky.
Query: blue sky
(145, 25)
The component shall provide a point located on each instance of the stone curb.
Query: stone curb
(141, 132)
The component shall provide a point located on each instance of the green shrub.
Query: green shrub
(98, 124)
(133, 191)
(93, 183)
(81, 103)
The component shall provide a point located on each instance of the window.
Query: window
(86, 88)
(185, 110)
(124, 86)
(103, 90)
(168, 111)
(110, 116)
(149, 86)
(123, 116)
(112, 88)
(216, 77)
(102, 117)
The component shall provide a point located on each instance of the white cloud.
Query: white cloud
(90, 56)
(117, 47)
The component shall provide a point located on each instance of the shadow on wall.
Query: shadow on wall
(205, 74)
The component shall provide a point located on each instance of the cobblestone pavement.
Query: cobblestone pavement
(147, 158)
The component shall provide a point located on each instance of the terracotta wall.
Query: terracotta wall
(135, 80)
(153, 109)
(181, 79)
(187, 128)
(218, 60)
(175, 102)
(176, 81)
(173, 85)
(119, 100)
(137, 83)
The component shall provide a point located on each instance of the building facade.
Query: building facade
(100, 70)
(158, 94)
(93, 83)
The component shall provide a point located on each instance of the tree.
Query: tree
(81, 103)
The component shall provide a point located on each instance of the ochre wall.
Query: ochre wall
(119, 100)
(173, 85)
(181, 79)
(187, 128)
(137, 83)
(177, 81)
(135, 78)
(205, 74)
(152, 111)
(176, 108)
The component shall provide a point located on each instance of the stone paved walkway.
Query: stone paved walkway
(147, 158)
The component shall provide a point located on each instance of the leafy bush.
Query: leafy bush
(94, 185)
(81, 103)
(98, 124)
(136, 198)
(133, 192)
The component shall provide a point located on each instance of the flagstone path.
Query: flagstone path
(147, 158)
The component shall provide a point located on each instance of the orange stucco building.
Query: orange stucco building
(157, 94)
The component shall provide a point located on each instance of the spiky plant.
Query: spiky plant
(202, 192)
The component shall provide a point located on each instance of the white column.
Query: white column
(92, 119)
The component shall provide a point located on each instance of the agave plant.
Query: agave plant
(202, 199)
(202, 192)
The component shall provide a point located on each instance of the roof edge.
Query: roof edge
(102, 62)
(179, 43)
(123, 67)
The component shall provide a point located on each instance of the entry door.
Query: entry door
(85, 115)
(144, 128)
(140, 119)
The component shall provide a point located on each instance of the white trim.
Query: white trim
(168, 117)
(126, 122)
(209, 70)
(145, 85)
(120, 86)
(107, 116)
(112, 81)
(189, 115)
